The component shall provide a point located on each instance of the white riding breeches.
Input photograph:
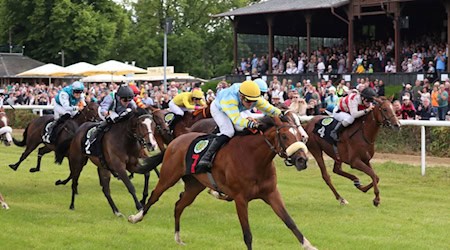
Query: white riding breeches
(176, 109)
(345, 118)
(222, 120)
(60, 111)
(112, 114)
(7, 130)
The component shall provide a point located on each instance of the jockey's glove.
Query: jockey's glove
(253, 124)
(75, 108)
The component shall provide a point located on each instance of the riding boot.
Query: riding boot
(335, 132)
(217, 142)
(100, 128)
(54, 125)
(175, 120)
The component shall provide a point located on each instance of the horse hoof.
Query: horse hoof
(13, 167)
(119, 214)
(32, 170)
(343, 201)
(58, 182)
(136, 218)
(178, 239)
(72, 207)
(376, 203)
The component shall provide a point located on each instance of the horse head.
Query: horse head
(287, 142)
(384, 113)
(142, 129)
(161, 126)
(90, 112)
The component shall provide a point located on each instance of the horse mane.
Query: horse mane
(266, 123)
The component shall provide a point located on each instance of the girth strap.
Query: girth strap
(214, 184)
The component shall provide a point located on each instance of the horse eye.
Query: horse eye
(284, 137)
(385, 109)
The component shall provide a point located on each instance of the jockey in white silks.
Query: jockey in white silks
(351, 107)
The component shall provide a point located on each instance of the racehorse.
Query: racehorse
(32, 136)
(356, 146)
(242, 169)
(5, 130)
(190, 118)
(161, 130)
(121, 147)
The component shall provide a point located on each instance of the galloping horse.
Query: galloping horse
(356, 146)
(5, 130)
(160, 128)
(242, 169)
(121, 147)
(32, 136)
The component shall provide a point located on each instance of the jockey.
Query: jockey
(226, 108)
(351, 107)
(185, 101)
(68, 102)
(137, 99)
(113, 107)
(263, 88)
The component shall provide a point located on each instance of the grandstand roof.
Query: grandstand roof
(272, 6)
(13, 64)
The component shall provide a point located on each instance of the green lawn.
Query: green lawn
(414, 212)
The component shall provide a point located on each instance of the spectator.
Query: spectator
(408, 110)
(442, 102)
(147, 100)
(298, 105)
(397, 109)
(440, 61)
(424, 111)
(276, 101)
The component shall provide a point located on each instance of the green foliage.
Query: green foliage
(19, 118)
(210, 85)
(407, 141)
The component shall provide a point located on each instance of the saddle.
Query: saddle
(92, 141)
(49, 129)
(195, 152)
(324, 127)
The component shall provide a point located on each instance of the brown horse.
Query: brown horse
(242, 169)
(356, 146)
(161, 129)
(121, 147)
(5, 130)
(32, 136)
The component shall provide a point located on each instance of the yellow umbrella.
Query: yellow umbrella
(113, 67)
(78, 68)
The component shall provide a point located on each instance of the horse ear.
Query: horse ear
(391, 98)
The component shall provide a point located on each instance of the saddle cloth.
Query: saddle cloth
(92, 146)
(46, 135)
(324, 127)
(196, 151)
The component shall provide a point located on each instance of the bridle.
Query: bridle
(280, 149)
(141, 138)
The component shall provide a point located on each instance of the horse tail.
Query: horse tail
(24, 140)
(61, 150)
(150, 163)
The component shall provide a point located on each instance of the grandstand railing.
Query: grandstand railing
(37, 109)
(387, 78)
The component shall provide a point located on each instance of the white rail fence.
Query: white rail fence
(38, 109)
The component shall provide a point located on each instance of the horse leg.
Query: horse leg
(242, 211)
(337, 169)
(64, 182)
(76, 166)
(104, 176)
(318, 155)
(192, 188)
(24, 155)
(168, 178)
(122, 173)
(276, 202)
(41, 152)
(367, 169)
(145, 191)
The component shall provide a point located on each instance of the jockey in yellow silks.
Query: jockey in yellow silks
(226, 108)
(187, 101)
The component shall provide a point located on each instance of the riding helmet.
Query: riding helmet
(125, 91)
(77, 86)
(368, 93)
(261, 84)
(250, 90)
(197, 93)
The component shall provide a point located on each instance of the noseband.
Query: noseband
(140, 138)
(282, 152)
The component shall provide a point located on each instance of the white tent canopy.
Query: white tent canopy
(78, 68)
(47, 70)
(105, 78)
(113, 67)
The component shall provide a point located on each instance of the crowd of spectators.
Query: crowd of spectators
(426, 55)
(424, 100)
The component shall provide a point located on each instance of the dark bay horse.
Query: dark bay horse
(121, 147)
(5, 130)
(32, 136)
(243, 169)
(356, 147)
